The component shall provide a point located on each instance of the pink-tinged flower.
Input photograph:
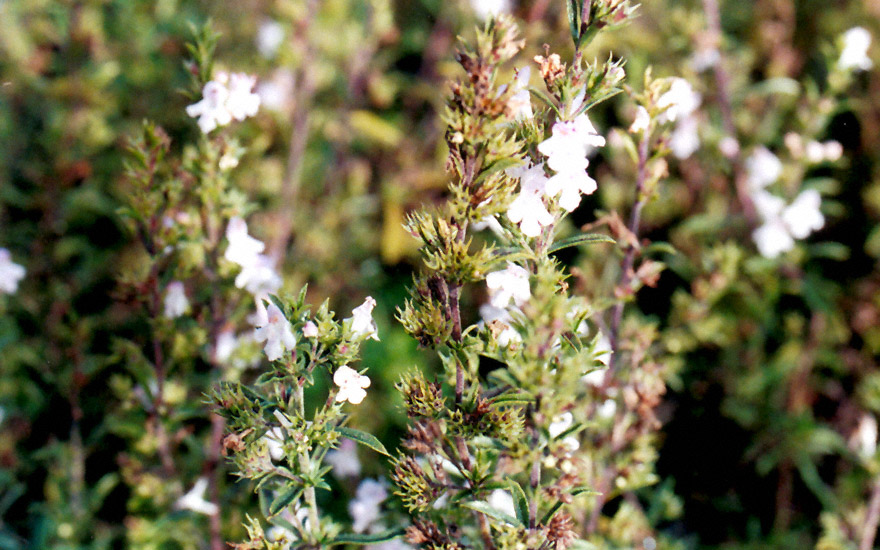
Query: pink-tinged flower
(345, 460)
(211, 110)
(362, 323)
(528, 209)
(194, 500)
(310, 330)
(680, 101)
(276, 332)
(365, 507)
(854, 56)
(570, 142)
(512, 283)
(242, 101)
(176, 303)
(352, 386)
(258, 276)
(10, 273)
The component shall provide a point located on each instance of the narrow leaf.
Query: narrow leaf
(512, 398)
(364, 438)
(487, 510)
(573, 11)
(284, 499)
(520, 502)
(578, 240)
(367, 538)
(497, 166)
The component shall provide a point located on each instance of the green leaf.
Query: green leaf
(364, 438)
(555, 508)
(578, 240)
(487, 510)
(573, 26)
(546, 99)
(520, 502)
(512, 398)
(284, 499)
(367, 538)
(659, 247)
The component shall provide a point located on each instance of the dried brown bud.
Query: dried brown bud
(560, 531)
(552, 68)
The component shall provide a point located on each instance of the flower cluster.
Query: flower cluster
(681, 103)
(781, 224)
(225, 98)
(566, 151)
(258, 275)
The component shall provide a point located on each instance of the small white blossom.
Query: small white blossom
(566, 151)
(351, 385)
(685, 138)
(10, 273)
(276, 93)
(276, 332)
(641, 122)
(502, 501)
(484, 9)
(242, 247)
(310, 330)
(258, 276)
(528, 209)
(194, 500)
(607, 409)
(345, 460)
(274, 440)
(365, 507)
(512, 283)
(680, 101)
(242, 101)
(762, 168)
(569, 185)
(603, 349)
(508, 334)
(226, 344)
(854, 56)
(362, 322)
(176, 303)
(270, 36)
(520, 102)
(560, 424)
(211, 110)
(489, 222)
(772, 238)
(803, 216)
(833, 150)
(728, 146)
(866, 436)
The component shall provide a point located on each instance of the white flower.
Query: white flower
(176, 303)
(195, 501)
(10, 273)
(345, 460)
(528, 209)
(566, 151)
(833, 150)
(258, 276)
(227, 343)
(773, 238)
(560, 424)
(680, 101)
(520, 102)
(242, 102)
(603, 349)
(484, 9)
(594, 378)
(803, 216)
(365, 507)
(211, 110)
(242, 248)
(512, 283)
(569, 144)
(728, 146)
(270, 35)
(362, 323)
(762, 168)
(571, 444)
(276, 93)
(502, 501)
(489, 222)
(607, 408)
(866, 436)
(276, 332)
(310, 330)
(854, 56)
(508, 334)
(685, 139)
(274, 440)
(351, 385)
(641, 122)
